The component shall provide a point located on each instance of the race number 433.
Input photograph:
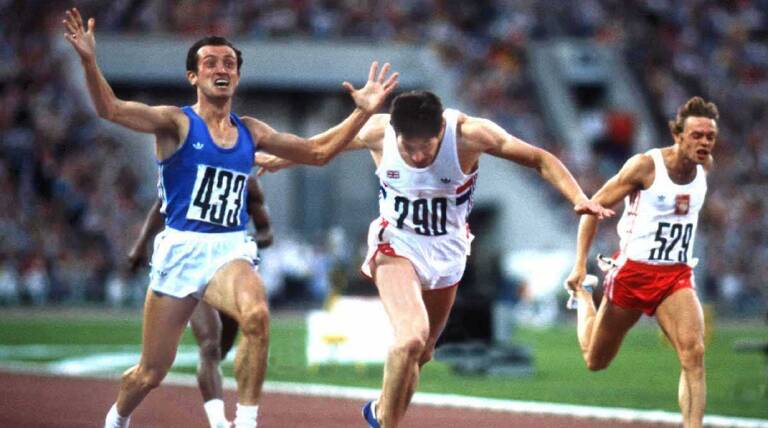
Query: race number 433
(217, 196)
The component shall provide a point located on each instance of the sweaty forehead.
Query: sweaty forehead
(216, 51)
(700, 124)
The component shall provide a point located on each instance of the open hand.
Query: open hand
(81, 39)
(371, 97)
(269, 163)
(591, 207)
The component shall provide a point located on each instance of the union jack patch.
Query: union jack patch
(393, 173)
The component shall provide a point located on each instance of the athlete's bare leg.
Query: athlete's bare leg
(400, 292)
(601, 332)
(681, 318)
(237, 289)
(165, 318)
(206, 326)
(438, 303)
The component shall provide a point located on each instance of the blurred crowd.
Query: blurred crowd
(68, 188)
(73, 204)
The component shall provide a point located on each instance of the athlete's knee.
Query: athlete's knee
(254, 321)
(210, 350)
(411, 346)
(147, 378)
(691, 352)
(427, 355)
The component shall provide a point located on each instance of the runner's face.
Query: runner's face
(217, 75)
(419, 152)
(698, 138)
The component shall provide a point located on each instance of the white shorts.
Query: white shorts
(184, 262)
(439, 261)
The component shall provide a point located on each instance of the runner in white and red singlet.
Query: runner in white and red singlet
(664, 190)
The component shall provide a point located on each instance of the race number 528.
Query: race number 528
(217, 196)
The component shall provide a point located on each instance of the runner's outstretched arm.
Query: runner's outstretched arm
(631, 177)
(321, 148)
(134, 115)
(487, 137)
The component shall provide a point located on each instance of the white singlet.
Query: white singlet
(423, 211)
(659, 224)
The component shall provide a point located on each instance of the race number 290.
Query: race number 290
(429, 215)
(217, 197)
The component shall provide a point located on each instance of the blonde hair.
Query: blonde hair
(696, 107)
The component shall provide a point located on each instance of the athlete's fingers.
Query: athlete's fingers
(91, 24)
(78, 17)
(69, 19)
(348, 86)
(384, 71)
(607, 213)
(372, 71)
(70, 13)
(71, 29)
(391, 83)
(77, 26)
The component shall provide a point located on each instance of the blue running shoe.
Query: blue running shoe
(370, 416)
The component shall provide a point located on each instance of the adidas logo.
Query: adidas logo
(198, 145)
(445, 180)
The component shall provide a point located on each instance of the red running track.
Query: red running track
(37, 401)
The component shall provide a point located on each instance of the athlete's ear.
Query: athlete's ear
(192, 78)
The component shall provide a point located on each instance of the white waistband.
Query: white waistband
(219, 236)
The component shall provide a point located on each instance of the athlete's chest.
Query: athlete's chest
(673, 200)
(437, 178)
(224, 138)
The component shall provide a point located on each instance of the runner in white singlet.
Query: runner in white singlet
(664, 190)
(659, 225)
(424, 210)
(427, 161)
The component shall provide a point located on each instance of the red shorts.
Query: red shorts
(644, 286)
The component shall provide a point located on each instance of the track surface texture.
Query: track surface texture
(33, 401)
